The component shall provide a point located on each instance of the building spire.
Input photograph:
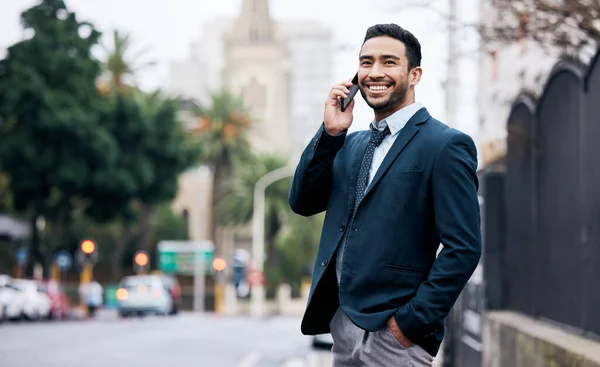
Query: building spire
(254, 23)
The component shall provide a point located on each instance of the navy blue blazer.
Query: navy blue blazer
(424, 194)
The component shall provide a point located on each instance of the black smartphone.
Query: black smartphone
(353, 89)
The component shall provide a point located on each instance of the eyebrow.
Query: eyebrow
(369, 57)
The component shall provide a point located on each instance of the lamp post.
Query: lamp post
(258, 238)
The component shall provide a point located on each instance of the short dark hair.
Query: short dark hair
(411, 43)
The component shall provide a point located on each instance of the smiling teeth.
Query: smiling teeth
(378, 88)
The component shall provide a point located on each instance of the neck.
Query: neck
(383, 114)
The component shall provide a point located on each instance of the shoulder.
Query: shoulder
(442, 135)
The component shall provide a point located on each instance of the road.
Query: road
(188, 339)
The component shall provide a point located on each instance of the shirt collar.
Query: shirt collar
(398, 119)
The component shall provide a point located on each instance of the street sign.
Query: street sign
(191, 258)
(22, 255)
(180, 256)
(63, 260)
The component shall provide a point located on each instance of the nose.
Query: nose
(376, 72)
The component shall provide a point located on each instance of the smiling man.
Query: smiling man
(393, 194)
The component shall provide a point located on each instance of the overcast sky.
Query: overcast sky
(169, 27)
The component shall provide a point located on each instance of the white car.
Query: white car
(12, 302)
(37, 304)
(142, 295)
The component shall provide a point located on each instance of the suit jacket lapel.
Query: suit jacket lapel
(404, 137)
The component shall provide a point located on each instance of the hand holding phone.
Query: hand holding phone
(339, 105)
(353, 90)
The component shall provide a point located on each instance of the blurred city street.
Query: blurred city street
(187, 339)
(189, 176)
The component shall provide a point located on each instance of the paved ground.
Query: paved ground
(184, 340)
(198, 340)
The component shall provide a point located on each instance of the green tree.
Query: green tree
(170, 152)
(223, 137)
(152, 151)
(121, 64)
(51, 143)
(297, 244)
(237, 205)
(5, 196)
(168, 225)
(286, 257)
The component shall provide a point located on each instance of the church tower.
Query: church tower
(257, 67)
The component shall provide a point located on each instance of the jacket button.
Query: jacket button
(325, 262)
(342, 228)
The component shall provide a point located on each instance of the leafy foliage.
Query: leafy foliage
(51, 142)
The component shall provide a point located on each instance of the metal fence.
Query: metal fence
(540, 209)
(551, 252)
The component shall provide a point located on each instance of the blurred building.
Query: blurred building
(294, 57)
(283, 70)
(194, 202)
(311, 48)
(505, 70)
(257, 67)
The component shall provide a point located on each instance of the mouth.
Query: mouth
(377, 89)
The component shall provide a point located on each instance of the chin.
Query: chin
(378, 104)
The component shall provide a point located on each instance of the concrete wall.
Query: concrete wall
(514, 340)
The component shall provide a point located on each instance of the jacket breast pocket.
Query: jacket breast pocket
(403, 185)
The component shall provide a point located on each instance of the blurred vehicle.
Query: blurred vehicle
(37, 303)
(172, 285)
(60, 306)
(322, 341)
(142, 295)
(12, 302)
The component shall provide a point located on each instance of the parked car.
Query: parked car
(12, 302)
(142, 295)
(37, 304)
(172, 285)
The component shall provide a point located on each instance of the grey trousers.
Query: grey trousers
(353, 347)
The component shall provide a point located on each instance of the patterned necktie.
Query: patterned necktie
(363, 175)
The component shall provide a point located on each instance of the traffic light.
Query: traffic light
(219, 264)
(141, 261)
(88, 252)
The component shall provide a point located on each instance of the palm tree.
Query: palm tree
(236, 207)
(291, 240)
(221, 131)
(120, 65)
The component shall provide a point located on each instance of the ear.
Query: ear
(414, 76)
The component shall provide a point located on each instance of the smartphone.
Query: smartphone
(353, 89)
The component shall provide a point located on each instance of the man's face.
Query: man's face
(383, 75)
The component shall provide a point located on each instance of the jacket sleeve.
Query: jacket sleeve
(313, 178)
(457, 222)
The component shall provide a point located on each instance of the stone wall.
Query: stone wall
(514, 340)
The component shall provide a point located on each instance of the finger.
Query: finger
(342, 88)
(335, 93)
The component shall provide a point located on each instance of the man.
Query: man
(392, 195)
(93, 297)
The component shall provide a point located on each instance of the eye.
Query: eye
(390, 62)
(365, 63)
